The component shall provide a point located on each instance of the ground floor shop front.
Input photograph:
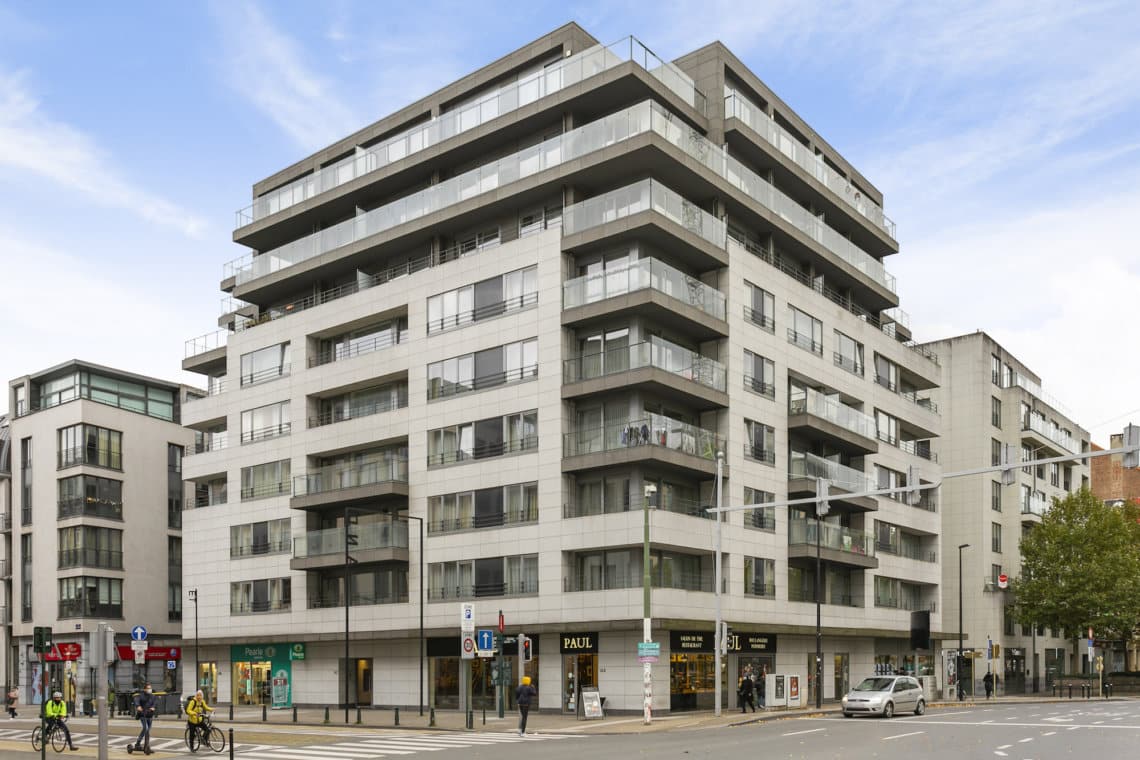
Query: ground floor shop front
(564, 665)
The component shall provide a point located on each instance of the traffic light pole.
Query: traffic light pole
(502, 681)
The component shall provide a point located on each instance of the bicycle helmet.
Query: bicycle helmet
(57, 695)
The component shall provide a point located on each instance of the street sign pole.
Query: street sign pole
(502, 681)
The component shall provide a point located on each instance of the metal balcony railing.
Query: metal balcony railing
(652, 430)
(523, 587)
(611, 581)
(388, 534)
(455, 456)
(835, 537)
(351, 412)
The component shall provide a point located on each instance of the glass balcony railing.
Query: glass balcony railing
(834, 537)
(805, 465)
(1035, 389)
(1043, 428)
(553, 78)
(392, 468)
(751, 114)
(388, 534)
(614, 580)
(653, 430)
(811, 401)
(1036, 505)
(656, 352)
(640, 275)
(646, 195)
(204, 343)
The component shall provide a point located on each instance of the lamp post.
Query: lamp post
(194, 598)
(719, 644)
(646, 626)
(349, 540)
(959, 668)
(420, 520)
(821, 509)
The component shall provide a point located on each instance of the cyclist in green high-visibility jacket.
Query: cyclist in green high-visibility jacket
(56, 713)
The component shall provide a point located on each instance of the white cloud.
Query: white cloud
(271, 71)
(32, 142)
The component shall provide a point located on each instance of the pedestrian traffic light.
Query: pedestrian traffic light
(41, 639)
(525, 647)
(495, 673)
(997, 651)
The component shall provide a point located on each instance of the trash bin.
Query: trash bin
(89, 707)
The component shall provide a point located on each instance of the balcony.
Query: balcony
(508, 517)
(1041, 433)
(439, 388)
(833, 598)
(206, 353)
(553, 78)
(328, 601)
(360, 346)
(211, 442)
(736, 106)
(827, 418)
(837, 545)
(1035, 389)
(521, 587)
(259, 606)
(655, 438)
(217, 386)
(804, 469)
(348, 484)
(911, 396)
(617, 580)
(757, 385)
(527, 443)
(760, 589)
(671, 369)
(647, 286)
(706, 248)
(760, 319)
(906, 550)
(920, 449)
(264, 490)
(385, 541)
(759, 454)
(101, 558)
(1034, 509)
(347, 413)
(912, 605)
(5, 522)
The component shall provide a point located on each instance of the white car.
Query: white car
(885, 695)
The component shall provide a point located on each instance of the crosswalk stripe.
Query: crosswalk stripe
(292, 754)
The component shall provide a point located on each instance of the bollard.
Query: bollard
(1070, 691)
(431, 718)
(358, 720)
(470, 719)
(397, 716)
(231, 731)
(326, 714)
(484, 715)
(264, 716)
(231, 711)
(294, 713)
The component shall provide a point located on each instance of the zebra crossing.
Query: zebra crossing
(359, 747)
(387, 744)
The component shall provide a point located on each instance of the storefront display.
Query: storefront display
(692, 674)
(263, 673)
(579, 653)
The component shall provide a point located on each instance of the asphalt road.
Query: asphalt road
(1038, 731)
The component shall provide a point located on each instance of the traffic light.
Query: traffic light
(495, 673)
(41, 639)
(525, 647)
(997, 651)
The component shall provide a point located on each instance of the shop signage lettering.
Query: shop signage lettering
(752, 642)
(152, 653)
(580, 643)
(296, 651)
(691, 641)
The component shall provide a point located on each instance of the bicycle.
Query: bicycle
(55, 736)
(205, 733)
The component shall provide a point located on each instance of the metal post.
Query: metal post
(103, 632)
(420, 520)
(347, 600)
(822, 490)
(961, 636)
(646, 622)
(718, 637)
(193, 593)
(231, 743)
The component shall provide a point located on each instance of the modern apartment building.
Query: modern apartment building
(7, 652)
(989, 399)
(518, 313)
(95, 524)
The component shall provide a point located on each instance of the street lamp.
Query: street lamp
(349, 540)
(959, 668)
(194, 598)
(420, 520)
(821, 509)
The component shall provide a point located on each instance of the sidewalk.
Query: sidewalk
(250, 719)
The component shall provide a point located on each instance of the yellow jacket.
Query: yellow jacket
(55, 709)
(196, 709)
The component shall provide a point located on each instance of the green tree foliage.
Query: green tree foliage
(1081, 567)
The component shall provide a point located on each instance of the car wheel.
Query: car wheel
(889, 710)
(848, 715)
(920, 708)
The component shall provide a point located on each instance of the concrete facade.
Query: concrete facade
(95, 522)
(539, 302)
(989, 398)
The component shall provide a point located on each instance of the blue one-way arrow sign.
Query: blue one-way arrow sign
(486, 639)
(138, 633)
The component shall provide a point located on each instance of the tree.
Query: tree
(1081, 567)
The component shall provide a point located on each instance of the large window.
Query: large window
(361, 403)
(995, 495)
(806, 331)
(995, 537)
(762, 311)
(131, 395)
(26, 481)
(264, 595)
(995, 411)
(262, 480)
(26, 577)
(760, 441)
(490, 437)
(760, 577)
(89, 546)
(483, 369)
(886, 373)
(762, 518)
(89, 444)
(265, 364)
(995, 369)
(266, 537)
(848, 353)
(173, 579)
(483, 300)
(760, 374)
(363, 340)
(623, 568)
(88, 596)
(175, 489)
(995, 452)
(269, 421)
(483, 508)
(492, 576)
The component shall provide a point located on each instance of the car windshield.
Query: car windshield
(875, 684)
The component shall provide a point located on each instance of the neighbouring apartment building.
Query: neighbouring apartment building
(519, 313)
(95, 524)
(989, 399)
(7, 652)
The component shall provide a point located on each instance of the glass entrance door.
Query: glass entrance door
(842, 674)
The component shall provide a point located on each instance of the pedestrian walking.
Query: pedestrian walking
(746, 693)
(13, 697)
(988, 683)
(525, 695)
(145, 704)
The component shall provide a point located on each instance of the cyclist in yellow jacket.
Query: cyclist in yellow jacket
(196, 711)
(56, 713)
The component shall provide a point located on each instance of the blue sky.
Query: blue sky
(1003, 135)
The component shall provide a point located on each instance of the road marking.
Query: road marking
(1005, 746)
(901, 736)
(1000, 754)
(811, 731)
(1048, 733)
(1023, 741)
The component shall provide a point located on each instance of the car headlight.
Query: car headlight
(875, 701)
